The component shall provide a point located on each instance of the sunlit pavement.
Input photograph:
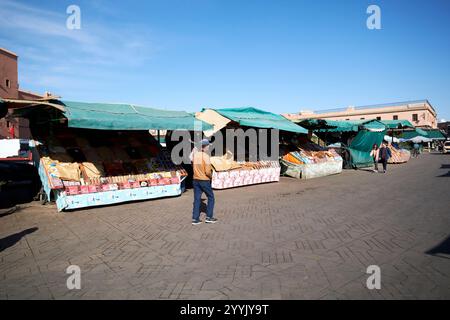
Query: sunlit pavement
(295, 239)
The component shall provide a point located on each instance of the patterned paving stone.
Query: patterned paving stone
(290, 240)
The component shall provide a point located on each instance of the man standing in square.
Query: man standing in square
(201, 165)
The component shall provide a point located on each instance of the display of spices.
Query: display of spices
(398, 155)
(310, 153)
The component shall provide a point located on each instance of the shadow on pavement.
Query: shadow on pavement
(367, 170)
(444, 175)
(441, 248)
(444, 166)
(11, 240)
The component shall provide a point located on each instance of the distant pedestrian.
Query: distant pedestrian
(384, 153)
(374, 155)
(201, 165)
(416, 150)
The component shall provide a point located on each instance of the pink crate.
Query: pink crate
(175, 180)
(92, 189)
(125, 185)
(72, 190)
(84, 189)
(135, 184)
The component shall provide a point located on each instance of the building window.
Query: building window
(378, 118)
(415, 117)
(8, 83)
(395, 117)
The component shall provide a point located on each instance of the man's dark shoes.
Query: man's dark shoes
(211, 220)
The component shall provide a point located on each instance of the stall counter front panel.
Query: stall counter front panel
(64, 201)
(67, 202)
(244, 177)
(312, 170)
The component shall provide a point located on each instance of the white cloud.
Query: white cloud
(43, 42)
(17, 16)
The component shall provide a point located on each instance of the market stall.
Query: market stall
(97, 154)
(395, 128)
(227, 172)
(304, 159)
(355, 138)
(398, 155)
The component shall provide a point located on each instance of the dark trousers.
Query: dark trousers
(384, 162)
(375, 164)
(201, 186)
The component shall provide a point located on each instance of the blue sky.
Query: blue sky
(281, 56)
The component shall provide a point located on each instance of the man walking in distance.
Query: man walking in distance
(384, 154)
(201, 165)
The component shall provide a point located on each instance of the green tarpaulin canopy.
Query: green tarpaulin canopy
(414, 133)
(435, 134)
(322, 125)
(128, 117)
(111, 116)
(397, 124)
(252, 117)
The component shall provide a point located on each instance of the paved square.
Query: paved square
(290, 240)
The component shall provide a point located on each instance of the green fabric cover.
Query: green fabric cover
(421, 132)
(414, 133)
(322, 125)
(435, 134)
(375, 125)
(361, 146)
(397, 124)
(107, 116)
(252, 117)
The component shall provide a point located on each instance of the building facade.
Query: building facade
(9, 82)
(420, 113)
(9, 89)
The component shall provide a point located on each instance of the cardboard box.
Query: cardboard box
(84, 189)
(164, 181)
(125, 185)
(175, 180)
(72, 190)
(135, 184)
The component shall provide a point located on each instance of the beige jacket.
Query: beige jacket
(201, 165)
